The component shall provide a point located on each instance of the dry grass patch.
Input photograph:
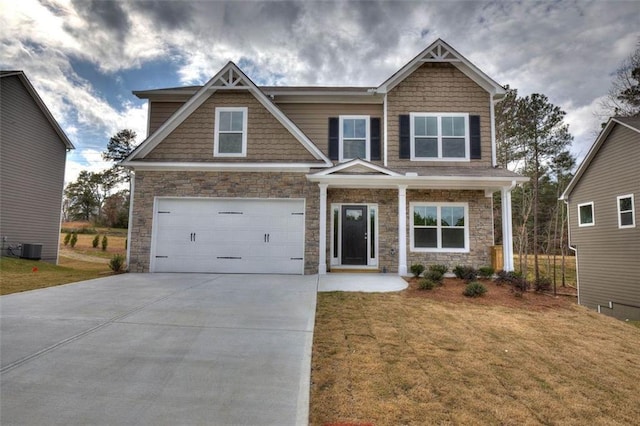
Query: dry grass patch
(391, 359)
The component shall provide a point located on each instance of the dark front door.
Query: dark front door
(354, 235)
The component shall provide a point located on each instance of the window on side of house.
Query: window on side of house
(440, 227)
(230, 133)
(626, 211)
(354, 137)
(586, 216)
(440, 136)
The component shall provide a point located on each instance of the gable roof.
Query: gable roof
(357, 166)
(440, 52)
(632, 123)
(230, 77)
(36, 98)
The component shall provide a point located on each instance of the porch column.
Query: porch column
(507, 228)
(402, 230)
(322, 238)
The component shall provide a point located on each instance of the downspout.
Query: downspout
(384, 113)
(494, 148)
(574, 249)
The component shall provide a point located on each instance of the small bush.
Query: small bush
(426, 284)
(474, 289)
(434, 276)
(467, 273)
(507, 277)
(485, 271)
(417, 269)
(73, 240)
(117, 263)
(67, 238)
(95, 241)
(439, 268)
(105, 242)
(542, 284)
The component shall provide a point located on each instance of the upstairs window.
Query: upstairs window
(442, 136)
(354, 137)
(230, 139)
(626, 211)
(585, 214)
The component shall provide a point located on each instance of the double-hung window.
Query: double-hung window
(354, 137)
(586, 216)
(442, 227)
(441, 136)
(230, 138)
(626, 211)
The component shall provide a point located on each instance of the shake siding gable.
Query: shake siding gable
(267, 139)
(438, 87)
(32, 163)
(608, 256)
(159, 112)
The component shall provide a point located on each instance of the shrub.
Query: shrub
(474, 289)
(417, 269)
(73, 240)
(434, 276)
(83, 230)
(467, 273)
(117, 263)
(67, 238)
(439, 268)
(105, 242)
(485, 271)
(507, 277)
(95, 241)
(542, 284)
(426, 284)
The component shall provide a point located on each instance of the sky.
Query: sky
(85, 57)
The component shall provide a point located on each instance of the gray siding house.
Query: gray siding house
(603, 221)
(33, 151)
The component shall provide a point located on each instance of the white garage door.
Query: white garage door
(228, 236)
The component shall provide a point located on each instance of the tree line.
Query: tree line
(532, 139)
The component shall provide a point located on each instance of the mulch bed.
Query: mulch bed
(496, 295)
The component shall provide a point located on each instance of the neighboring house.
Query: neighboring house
(240, 178)
(33, 152)
(603, 221)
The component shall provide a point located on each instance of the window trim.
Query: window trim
(216, 132)
(593, 215)
(367, 142)
(439, 249)
(632, 211)
(439, 116)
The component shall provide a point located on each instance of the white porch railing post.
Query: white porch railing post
(322, 238)
(507, 228)
(402, 230)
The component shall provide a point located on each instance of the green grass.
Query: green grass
(18, 275)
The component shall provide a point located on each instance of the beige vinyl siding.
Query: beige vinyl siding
(32, 162)
(313, 119)
(608, 257)
(159, 112)
(267, 139)
(438, 88)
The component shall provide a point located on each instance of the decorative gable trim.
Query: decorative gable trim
(439, 52)
(358, 166)
(600, 140)
(230, 77)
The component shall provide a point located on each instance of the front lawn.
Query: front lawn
(416, 358)
(21, 275)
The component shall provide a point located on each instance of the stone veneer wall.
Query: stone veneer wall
(480, 228)
(480, 224)
(148, 185)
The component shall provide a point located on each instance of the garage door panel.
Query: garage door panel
(229, 236)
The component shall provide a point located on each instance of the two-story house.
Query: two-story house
(237, 178)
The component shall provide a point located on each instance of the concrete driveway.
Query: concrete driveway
(159, 349)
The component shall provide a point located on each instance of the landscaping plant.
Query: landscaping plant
(417, 269)
(74, 240)
(474, 289)
(105, 241)
(116, 264)
(467, 273)
(67, 238)
(95, 241)
(439, 268)
(427, 284)
(485, 272)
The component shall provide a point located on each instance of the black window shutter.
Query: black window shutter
(474, 137)
(334, 138)
(374, 134)
(405, 137)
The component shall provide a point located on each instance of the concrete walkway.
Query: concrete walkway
(159, 349)
(368, 283)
